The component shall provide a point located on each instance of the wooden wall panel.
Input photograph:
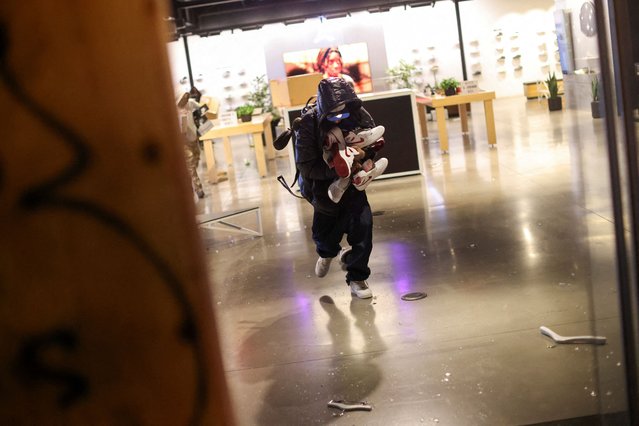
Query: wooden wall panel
(105, 313)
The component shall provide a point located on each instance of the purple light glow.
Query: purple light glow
(399, 254)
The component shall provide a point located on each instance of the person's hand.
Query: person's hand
(360, 153)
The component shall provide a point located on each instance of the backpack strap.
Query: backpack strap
(281, 180)
(310, 103)
(283, 140)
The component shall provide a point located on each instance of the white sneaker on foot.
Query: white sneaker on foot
(342, 256)
(362, 179)
(360, 289)
(337, 189)
(322, 266)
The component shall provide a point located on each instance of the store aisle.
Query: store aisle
(502, 240)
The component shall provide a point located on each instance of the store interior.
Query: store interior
(502, 239)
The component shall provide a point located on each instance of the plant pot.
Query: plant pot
(596, 107)
(245, 118)
(554, 104)
(450, 91)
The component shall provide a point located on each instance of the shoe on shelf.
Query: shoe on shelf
(337, 189)
(360, 289)
(342, 257)
(362, 178)
(364, 138)
(322, 266)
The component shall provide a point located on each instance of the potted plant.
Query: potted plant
(595, 104)
(554, 101)
(449, 85)
(260, 98)
(244, 112)
(401, 76)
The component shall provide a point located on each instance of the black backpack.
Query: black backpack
(305, 185)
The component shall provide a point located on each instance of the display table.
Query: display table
(440, 102)
(258, 125)
(396, 110)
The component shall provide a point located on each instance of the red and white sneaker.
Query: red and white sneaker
(342, 160)
(377, 145)
(363, 178)
(337, 154)
(364, 138)
(334, 137)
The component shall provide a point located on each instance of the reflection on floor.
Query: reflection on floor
(502, 240)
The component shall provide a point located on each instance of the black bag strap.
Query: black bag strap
(281, 180)
(282, 140)
(310, 103)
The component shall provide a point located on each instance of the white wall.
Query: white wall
(526, 25)
(223, 66)
(420, 35)
(586, 51)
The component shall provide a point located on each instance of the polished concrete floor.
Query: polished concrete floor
(502, 240)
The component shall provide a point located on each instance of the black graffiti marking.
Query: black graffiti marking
(46, 195)
(1, 175)
(151, 152)
(4, 43)
(32, 366)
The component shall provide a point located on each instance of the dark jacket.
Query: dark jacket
(309, 139)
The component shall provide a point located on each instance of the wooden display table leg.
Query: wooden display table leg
(421, 109)
(228, 153)
(490, 122)
(259, 154)
(211, 167)
(441, 128)
(463, 114)
(268, 138)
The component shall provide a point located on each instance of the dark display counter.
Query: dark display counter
(396, 111)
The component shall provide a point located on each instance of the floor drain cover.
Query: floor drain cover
(414, 296)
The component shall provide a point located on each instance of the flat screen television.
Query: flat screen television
(349, 60)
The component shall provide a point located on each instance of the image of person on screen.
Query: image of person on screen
(330, 63)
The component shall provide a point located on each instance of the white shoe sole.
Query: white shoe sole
(362, 294)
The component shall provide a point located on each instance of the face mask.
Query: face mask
(338, 117)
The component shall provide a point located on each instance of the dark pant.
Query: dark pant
(329, 230)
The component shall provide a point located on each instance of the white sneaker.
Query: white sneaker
(360, 289)
(364, 138)
(322, 266)
(342, 256)
(337, 189)
(342, 160)
(362, 179)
